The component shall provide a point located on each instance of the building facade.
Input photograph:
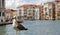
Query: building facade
(57, 9)
(49, 10)
(9, 14)
(42, 13)
(2, 8)
(29, 11)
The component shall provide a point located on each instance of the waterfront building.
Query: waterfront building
(38, 12)
(49, 10)
(42, 13)
(29, 11)
(2, 8)
(57, 9)
(9, 13)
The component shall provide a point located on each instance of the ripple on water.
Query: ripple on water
(36, 27)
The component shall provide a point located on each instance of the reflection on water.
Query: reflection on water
(2, 30)
(36, 27)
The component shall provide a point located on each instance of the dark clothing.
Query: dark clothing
(21, 27)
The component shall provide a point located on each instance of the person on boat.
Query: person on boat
(17, 26)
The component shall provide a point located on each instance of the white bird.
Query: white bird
(17, 26)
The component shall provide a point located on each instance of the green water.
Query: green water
(36, 27)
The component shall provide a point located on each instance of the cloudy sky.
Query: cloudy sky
(14, 3)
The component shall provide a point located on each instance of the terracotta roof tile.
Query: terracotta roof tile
(30, 5)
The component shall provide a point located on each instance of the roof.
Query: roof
(29, 5)
(50, 3)
(10, 11)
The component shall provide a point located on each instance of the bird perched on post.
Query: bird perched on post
(17, 26)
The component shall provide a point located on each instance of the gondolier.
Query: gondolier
(17, 26)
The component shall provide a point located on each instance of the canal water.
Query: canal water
(36, 27)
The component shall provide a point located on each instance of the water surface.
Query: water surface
(36, 27)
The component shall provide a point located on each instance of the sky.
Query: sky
(12, 4)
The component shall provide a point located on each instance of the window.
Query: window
(3, 14)
(49, 10)
(29, 13)
(45, 9)
(46, 13)
(58, 6)
(58, 13)
(20, 11)
(0, 13)
(33, 10)
(50, 13)
(25, 16)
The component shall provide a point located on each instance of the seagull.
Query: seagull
(17, 26)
